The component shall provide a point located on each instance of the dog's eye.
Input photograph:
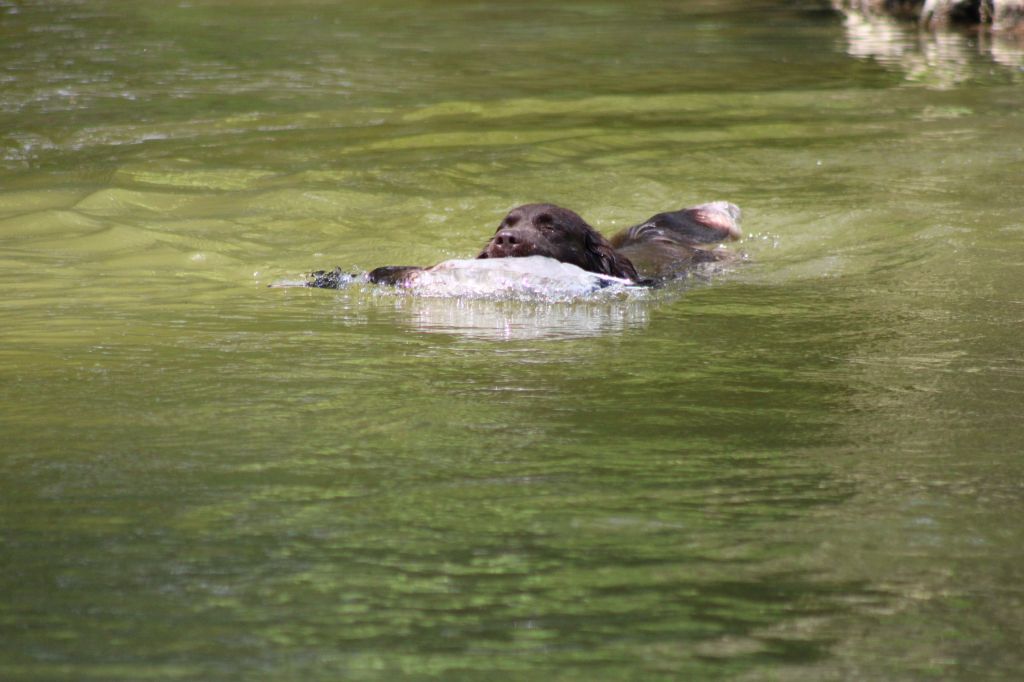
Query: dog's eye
(511, 220)
(544, 221)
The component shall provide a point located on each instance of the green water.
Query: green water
(808, 468)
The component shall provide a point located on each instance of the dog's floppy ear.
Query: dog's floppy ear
(603, 258)
(718, 221)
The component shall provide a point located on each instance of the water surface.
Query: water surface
(807, 467)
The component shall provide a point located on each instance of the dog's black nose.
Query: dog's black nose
(506, 238)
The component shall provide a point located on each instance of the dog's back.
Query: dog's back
(668, 243)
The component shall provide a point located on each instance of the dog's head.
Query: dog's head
(556, 232)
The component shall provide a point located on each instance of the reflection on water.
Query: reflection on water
(936, 59)
(1007, 50)
(512, 320)
(501, 316)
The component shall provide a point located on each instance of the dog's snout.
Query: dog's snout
(506, 238)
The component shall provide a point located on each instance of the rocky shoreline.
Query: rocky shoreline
(998, 16)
